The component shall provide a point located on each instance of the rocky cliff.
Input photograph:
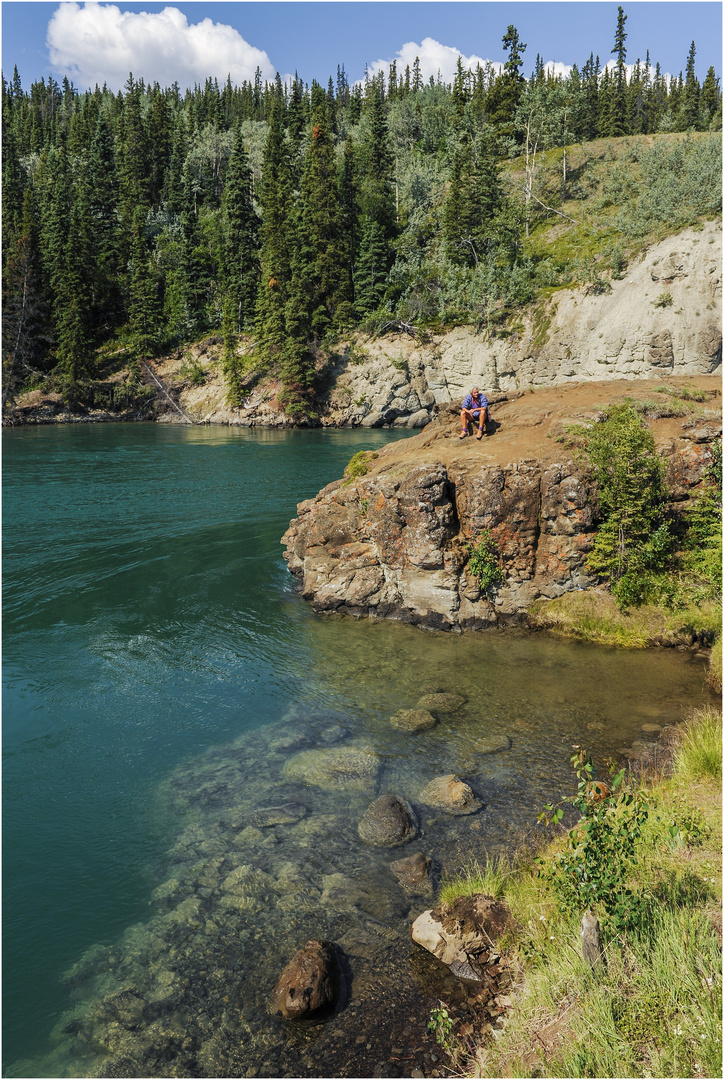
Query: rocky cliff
(662, 318)
(394, 543)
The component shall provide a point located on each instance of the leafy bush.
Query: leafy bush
(484, 561)
(594, 869)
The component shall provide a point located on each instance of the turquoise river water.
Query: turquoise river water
(159, 673)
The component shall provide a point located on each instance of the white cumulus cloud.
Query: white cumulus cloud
(434, 58)
(97, 43)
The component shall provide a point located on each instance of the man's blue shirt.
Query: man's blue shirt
(471, 403)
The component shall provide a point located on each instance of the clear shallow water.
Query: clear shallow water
(154, 654)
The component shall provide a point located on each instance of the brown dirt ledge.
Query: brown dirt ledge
(394, 542)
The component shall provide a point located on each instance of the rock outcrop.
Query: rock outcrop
(396, 542)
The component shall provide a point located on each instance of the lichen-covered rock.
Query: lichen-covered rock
(413, 720)
(388, 822)
(350, 767)
(309, 982)
(451, 794)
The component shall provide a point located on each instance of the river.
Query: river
(159, 672)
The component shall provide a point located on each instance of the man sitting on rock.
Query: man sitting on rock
(475, 410)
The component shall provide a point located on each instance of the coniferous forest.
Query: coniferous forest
(281, 217)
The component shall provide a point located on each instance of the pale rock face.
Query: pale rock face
(621, 334)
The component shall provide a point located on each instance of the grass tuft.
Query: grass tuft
(699, 754)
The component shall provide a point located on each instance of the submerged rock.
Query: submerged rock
(490, 744)
(450, 794)
(413, 871)
(413, 720)
(352, 767)
(441, 703)
(287, 814)
(388, 822)
(309, 982)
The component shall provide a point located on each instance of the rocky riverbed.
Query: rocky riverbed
(337, 824)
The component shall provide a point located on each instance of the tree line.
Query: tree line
(283, 216)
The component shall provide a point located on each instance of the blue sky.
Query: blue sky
(186, 42)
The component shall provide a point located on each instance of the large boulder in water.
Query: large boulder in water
(333, 768)
(309, 982)
(388, 822)
(451, 794)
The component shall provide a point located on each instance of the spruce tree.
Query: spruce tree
(504, 95)
(143, 300)
(241, 228)
(692, 90)
(25, 325)
(275, 197)
(617, 122)
(377, 210)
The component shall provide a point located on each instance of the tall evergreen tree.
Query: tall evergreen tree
(25, 329)
(617, 121)
(692, 90)
(504, 95)
(275, 195)
(241, 225)
(377, 210)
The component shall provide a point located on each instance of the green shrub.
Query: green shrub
(634, 541)
(664, 299)
(594, 869)
(484, 561)
(358, 465)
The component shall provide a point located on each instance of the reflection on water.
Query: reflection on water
(163, 683)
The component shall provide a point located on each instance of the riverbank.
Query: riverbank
(660, 318)
(651, 1006)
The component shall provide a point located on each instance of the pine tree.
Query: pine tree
(617, 122)
(349, 229)
(241, 226)
(711, 99)
(504, 95)
(25, 326)
(73, 301)
(377, 210)
(143, 301)
(474, 198)
(690, 103)
(275, 196)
